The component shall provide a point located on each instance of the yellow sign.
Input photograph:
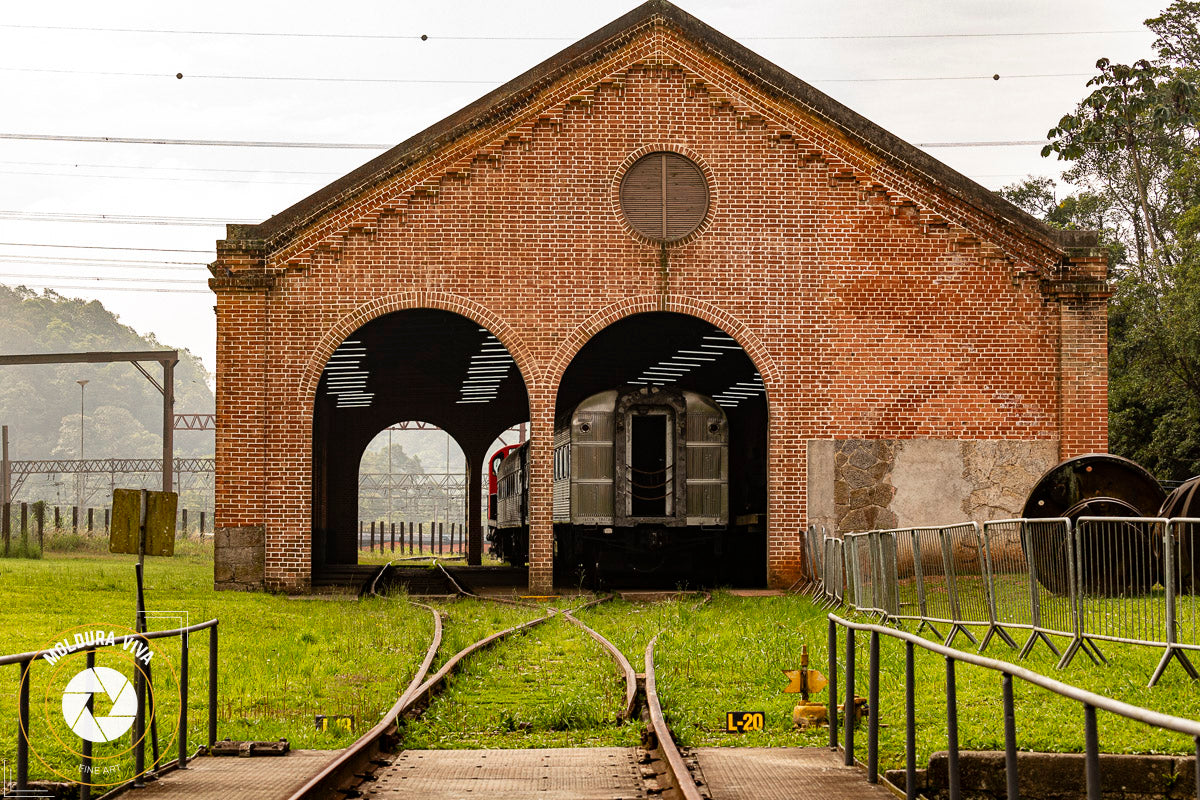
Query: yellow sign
(742, 721)
(797, 678)
(126, 526)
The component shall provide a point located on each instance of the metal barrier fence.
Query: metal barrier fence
(1119, 579)
(25, 662)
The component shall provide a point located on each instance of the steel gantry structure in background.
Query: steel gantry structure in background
(167, 358)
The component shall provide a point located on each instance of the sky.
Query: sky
(362, 75)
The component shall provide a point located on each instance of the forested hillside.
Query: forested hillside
(122, 411)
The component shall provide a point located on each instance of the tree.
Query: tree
(1135, 152)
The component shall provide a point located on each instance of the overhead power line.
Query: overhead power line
(172, 169)
(352, 145)
(58, 287)
(102, 247)
(303, 78)
(438, 81)
(168, 178)
(495, 38)
(122, 219)
(119, 263)
(179, 281)
(45, 137)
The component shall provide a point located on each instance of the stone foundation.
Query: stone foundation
(239, 558)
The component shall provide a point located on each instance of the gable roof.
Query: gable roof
(767, 77)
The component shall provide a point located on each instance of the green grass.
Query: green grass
(550, 687)
(727, 655)
(282, 660)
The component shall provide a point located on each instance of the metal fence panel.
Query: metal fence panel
(834, 574)
(1184, 536)
(1119, 564)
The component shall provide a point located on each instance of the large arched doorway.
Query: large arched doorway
(416, 364)
(661, 458)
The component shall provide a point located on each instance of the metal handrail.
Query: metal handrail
(1090, 700)
(25, 662)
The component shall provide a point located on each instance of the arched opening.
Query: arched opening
(660, 459)
(418, 364)
(412, 481)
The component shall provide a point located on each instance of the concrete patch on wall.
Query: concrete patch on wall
(862, 484)
(929, 481)
(865, 484)
(1000, 475)
(822, 510)
(239, 556)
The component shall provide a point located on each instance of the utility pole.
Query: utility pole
(82, 475)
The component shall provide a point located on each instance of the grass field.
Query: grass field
(727, 655)
(282, 660)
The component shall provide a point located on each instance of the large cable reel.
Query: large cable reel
(1120, 559)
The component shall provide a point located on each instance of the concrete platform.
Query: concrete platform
(775, 773)
(593, 773)
(259, 778)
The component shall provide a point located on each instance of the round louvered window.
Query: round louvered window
(664, 196)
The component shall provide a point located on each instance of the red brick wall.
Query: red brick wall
(874, 303)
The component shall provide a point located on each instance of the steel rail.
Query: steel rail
(1127, 710)
(352, 755)
(622, 662)
(675, 767)
(358, 753)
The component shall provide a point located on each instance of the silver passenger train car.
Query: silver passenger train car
(639, 473)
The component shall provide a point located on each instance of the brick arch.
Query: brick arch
(403, 301)
(678, 304)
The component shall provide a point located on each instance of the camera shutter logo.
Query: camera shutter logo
(87, 684)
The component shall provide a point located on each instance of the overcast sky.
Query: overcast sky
(919, 69)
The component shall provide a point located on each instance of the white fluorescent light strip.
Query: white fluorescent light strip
(702, 352)
(693, 358)
(354, 405)
(339, 367)
(668, 369)
(469, 402)
(486, 369)
(483, 390)
(749, 383)
(643, 383)
(722, 346)
(721, 338)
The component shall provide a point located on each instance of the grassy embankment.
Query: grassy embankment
(727, 655)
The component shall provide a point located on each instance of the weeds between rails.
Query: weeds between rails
(404, 727)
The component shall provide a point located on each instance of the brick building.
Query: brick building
(926, 348)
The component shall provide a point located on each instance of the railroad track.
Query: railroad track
(354, 771)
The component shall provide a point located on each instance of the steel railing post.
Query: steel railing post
(848, 705)
(910, 723)
(183, 698)
(139, 727)
(1010, 738)
(23, 726)
(833, 684)
(952, 731)
(1092, 744)
(873, 711)
(85, 761)
(212, 685)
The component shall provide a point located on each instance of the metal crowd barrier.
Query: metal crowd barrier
(1121, 579)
